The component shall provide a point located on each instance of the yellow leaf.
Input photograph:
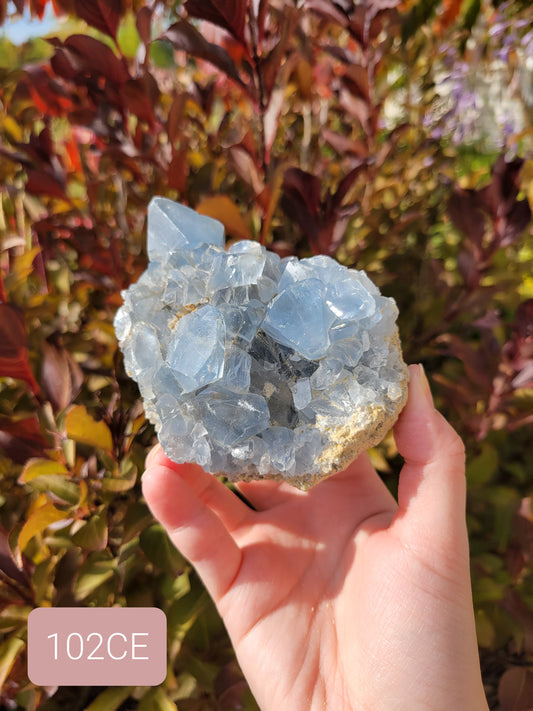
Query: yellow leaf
(81, 427)
(157, 700)
(38, 521)
(23, 263)
(221, 208)
(40, 467)
(9, 651)
(110, 699)
(13, 128)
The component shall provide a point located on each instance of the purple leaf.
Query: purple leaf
(228, 14)
(183, 36)
(104, 15)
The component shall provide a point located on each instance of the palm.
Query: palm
(298, 569)
(332, 597)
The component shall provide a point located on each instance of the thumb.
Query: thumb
(432, 486)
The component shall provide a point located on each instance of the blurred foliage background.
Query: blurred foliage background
(395, 135)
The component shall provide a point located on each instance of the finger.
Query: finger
(432, 487)
(361, 481)
(194, 528)
(230, 509)
(267, 494)
(154, 452)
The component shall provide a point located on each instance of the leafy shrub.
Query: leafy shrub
(313, 128)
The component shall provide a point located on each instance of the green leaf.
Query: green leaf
(417, 16)
(58, 485)
(94, 572)
(127, 36)
(83, 428)
(42, 579)
(9, 652)
(14, 617)
(156, 700)
(471, 14)
(484, 630)
(92, 536)
(38, 522)
(137, 518)
(162, 54)
(184, 611)
(160, 551)
(482, 468)
(125, 481)
(110, 699)
(487, 590)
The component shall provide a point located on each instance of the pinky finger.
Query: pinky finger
(196, 531)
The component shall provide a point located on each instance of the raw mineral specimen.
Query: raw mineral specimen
(255, 366)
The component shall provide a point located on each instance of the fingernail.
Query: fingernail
(424, 385)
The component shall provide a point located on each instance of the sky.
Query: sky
(21, 29)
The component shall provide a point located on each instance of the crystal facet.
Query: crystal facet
(256, 366)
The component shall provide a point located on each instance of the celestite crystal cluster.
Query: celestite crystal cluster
(255, 366)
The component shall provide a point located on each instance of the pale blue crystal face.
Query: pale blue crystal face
(298, 318)
(232, 417)
(252, 365)
(172, 226)
(196, 351)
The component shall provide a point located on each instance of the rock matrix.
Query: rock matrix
(254, 366)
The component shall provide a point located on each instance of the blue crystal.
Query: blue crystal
(172, 226)
(196, 352)
(298, 318)
(231, 417)
(252, 365)
(348, 299)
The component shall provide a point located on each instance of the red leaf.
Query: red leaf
(48, 94)
(95, 56)
(271, 64)
(515, 689)
(228, 14)
(523, 324)
(178, 170)
(141, 95)
(301, 202)
(183, 36)
(37, 8)
(65, 63)
(305, 187)
(14, 361)
(467, 215)
(175, 115)
(262, 12)
(63, 7)
(61, 376)
(327, 10)
(104, 15)
(21, 439)
(356, 79)
(8, 565)
(45, 182)
(143, 22)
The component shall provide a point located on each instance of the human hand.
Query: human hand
(339, 598)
